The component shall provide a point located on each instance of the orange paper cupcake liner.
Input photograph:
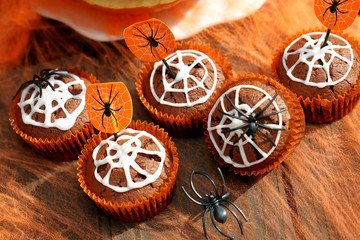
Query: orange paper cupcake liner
(282, 151)
(181, 125)
(66, 148)
(146, 207)
(319, 110)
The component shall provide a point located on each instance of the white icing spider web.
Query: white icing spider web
(124, 158)
(175, 60)
(312, 50)
(52, 101)
(234, 123)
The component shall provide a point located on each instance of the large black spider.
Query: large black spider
(39, 81)
(154, 43)
(334, 8)
(215, 204)
(252, 125)
(108, 110)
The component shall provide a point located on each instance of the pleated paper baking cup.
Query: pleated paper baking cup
(64, 148)
(181, 125)
(146, 207)
(319, 110)
(283, 149)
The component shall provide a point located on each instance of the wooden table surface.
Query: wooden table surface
(314, 194)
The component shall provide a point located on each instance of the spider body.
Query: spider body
(153, 40)
(41, 80)
(215, 204)
(107, 109)
(252, 124)
(334, 8)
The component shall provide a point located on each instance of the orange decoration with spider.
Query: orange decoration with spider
(150, 40)
(336, 15)
(109, 106)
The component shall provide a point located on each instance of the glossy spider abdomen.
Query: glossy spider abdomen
(152, 41)
(107, 110)
(220, 214)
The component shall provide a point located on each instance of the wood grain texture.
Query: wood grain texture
(314, 194)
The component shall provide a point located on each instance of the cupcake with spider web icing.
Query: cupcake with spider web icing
(179, 104)
(49, 113)
(254, 124)
(133, 177)
(324, 78)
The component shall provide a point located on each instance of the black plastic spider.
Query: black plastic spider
(39, 81)
(215, 204)
(334, 8)
(108, 111)
(252, 125)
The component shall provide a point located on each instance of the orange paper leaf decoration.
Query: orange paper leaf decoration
(109, 106)
(336, 15)
(150, 40)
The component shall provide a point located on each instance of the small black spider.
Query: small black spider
(39, 81)
(108, 110)
(252, 125)
(334, 8)
(215, 204)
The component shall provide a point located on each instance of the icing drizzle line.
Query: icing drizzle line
(44, 105)
(126, 155)
(183, 75)
(312, 50)
(236, 122)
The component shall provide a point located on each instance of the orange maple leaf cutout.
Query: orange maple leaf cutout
(150, 40)
(336, 15)
(109, 106)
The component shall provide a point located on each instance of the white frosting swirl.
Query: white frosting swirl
(58, 98)
(311, 52)
(233, 123)
(125, 156)
(175, 60)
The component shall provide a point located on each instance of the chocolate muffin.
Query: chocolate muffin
(57, 112)
(49, 113)
(254, 124)
(179, 103)
(317, 73)
(133, 177)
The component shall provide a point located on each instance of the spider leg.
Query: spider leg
(111, 100)
(99, 110)
(151, 48)
(145, 45)
(49, 84)
(341, 11)
(162, 46)
(236, 217)
(341, 2)
(267, 105)
(327, 2)
(204, 227)
(234, 129)
(192, 199)
(223, 181)
(24, 85)
(237, 208)
(102, 104)
(268, 138)
(335, 17)
(152, 32)
(97, 88)
(156, 32)
(270, 114)
(237, 140)
(325, 12)
(115, 110)
(116, 121)
(102, 119)
(110, 94)
(208, 177)
(216, 226)
(140, 36)
(264, 126)
(232, 116)
(233, 105)
(140, 32)
(160, 37)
